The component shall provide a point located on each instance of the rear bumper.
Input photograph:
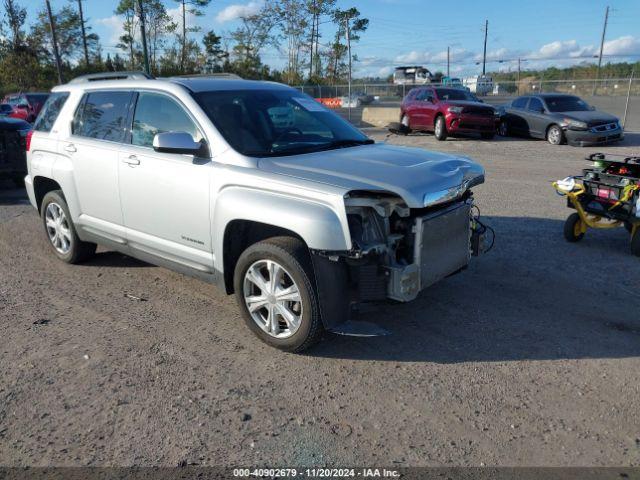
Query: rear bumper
(468, 123)
(584, 138)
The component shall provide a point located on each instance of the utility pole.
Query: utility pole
(518, 81)
(348, 32)
(604, 31)
(84, 34)
(143, 32)
(484, 54)
(448, 58)
(54, 40)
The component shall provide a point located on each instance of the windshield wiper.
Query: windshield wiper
(295, 150)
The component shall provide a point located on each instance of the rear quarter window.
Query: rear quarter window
(49, 113)
(103, 116)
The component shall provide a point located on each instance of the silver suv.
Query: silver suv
(253, 186)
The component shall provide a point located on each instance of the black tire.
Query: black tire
(635, 243)
(487, 135)
(503, 128)
(555, 135)
(628, 227)
(405, 129)
(440, 128)
(78, 251)
(571, 226)
(293, 255)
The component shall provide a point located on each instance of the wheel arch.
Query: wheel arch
(253, 215)
(42, 186)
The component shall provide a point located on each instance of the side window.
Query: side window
(156, 113)
(429, 95)
(50, 111)
(420, 96)
(535, 105)
(102, 115)
(520, 102)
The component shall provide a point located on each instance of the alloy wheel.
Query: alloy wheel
(58, 228)
(272, 298)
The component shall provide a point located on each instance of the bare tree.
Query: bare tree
(15, 18)
(194, 7)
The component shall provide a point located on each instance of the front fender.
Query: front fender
(319, 224)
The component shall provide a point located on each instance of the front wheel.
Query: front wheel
(404, 124)
(440, 129)
(274, 288)
(61, 232)
(573, 228)
(555, 135)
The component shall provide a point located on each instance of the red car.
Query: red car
(26, 106)
(447, 111)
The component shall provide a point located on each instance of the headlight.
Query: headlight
(455, 109)
(575, 124)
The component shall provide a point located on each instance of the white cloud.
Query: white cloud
(176, 16)
(113, 26)
(236, 11)
(627, 45)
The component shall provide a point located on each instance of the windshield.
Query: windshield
(37, 98)
(566, 104)
(271, 122)
(455, 94)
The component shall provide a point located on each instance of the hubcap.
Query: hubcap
(58, 228)
(503, 129)
(438, 127)
(554, 136)
(272, 298)
(405, 121)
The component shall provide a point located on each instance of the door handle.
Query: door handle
(131, 160)
(71, 148)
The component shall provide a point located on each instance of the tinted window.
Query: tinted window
(455, 94)
(102, 115)
(157, 114)
(520, 102)
(50, 111)
(535, 105)
(566, 103)
(36, 98)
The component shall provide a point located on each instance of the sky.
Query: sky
(418, 32)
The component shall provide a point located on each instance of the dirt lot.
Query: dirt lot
(530, 357)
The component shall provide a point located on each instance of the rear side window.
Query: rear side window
(520, 102)
(535, 105)
(103, 116)
(50, 112)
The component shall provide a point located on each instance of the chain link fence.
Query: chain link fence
(389, 91)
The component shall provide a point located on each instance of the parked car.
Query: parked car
(13, 136)
(5, 110)
(299, 222)
(26, 106)
(357, 99)
(446, 111)
(558, 118)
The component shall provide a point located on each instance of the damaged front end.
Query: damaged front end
(399, 251)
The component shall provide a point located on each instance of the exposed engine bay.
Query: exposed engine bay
(399, 251)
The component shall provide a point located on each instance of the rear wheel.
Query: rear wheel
(274, 288)
(503, 128)
(61, 232)
(573, 228)
(440, 129)
(555, 135)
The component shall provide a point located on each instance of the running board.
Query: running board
(353, 328)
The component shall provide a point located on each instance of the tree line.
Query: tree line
(309, 35)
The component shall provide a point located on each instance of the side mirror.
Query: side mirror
(176, 142)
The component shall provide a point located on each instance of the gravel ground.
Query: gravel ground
(530, 357)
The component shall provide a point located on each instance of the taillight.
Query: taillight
(27, 140)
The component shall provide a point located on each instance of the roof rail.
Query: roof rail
(97, 77)
(230, 76)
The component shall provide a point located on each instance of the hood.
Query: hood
(414, 174)
(591, 117)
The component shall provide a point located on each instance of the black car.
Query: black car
(559, 118)
(13, 136)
